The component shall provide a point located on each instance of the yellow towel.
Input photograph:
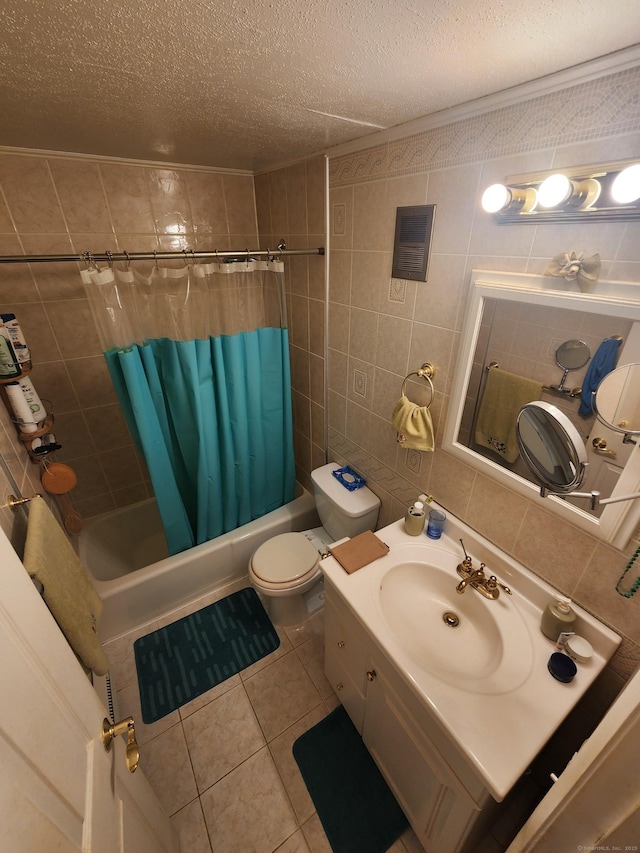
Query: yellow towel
(413, 425)
(68, 592)
(504, 395)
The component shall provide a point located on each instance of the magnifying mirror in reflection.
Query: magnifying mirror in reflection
(571, 355)
(617, 400)
(551, 448)
(554, 453)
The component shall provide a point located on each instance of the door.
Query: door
(595, 804)
(59, 788)
(438, 807)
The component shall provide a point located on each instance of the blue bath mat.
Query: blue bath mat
(356, 808)
(183, 660)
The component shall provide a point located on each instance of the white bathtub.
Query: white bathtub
(125, 553)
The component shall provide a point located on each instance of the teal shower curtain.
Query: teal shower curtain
(199, 358)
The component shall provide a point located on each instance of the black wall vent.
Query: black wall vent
(411, 245)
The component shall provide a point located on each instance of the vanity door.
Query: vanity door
(345, 656)
(440, 810)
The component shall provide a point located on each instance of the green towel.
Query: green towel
(68, 591)
(504, 395)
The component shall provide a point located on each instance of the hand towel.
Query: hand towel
(503, 397)
(68, 591)
(413, 425)
(601, 364)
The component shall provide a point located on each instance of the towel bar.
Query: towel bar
(13, 502)
(427, 371)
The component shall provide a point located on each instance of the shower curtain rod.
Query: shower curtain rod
(186, 255)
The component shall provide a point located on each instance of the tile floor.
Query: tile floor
(222, 765)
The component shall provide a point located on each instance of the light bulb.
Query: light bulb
(626, 187)
(554, 190)
(495, 197)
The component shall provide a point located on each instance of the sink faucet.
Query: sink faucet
(488, 586)
(476, 577)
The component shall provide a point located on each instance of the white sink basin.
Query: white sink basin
(469, 641)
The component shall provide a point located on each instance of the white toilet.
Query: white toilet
(286, 571)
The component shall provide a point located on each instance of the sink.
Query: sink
(468, 641)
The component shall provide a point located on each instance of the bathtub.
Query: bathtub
(125, 553)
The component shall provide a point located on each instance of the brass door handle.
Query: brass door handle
(600, 446)
(126, 726)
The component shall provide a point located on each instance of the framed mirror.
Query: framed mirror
(514, 324)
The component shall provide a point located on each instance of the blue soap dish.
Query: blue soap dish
(349, 479)
(562, 667)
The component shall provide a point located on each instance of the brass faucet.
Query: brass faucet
(488, 586)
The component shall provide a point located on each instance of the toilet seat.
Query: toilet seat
(285, 561)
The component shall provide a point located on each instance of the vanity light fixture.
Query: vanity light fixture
(625, 188)
(575, 194)
(498, 197)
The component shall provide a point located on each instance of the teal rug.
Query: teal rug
(183, 660)
(357, 810)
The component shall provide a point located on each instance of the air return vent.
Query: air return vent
(413, 238)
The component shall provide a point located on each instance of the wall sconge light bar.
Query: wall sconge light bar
(575, 194)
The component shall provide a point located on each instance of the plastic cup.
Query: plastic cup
(435, 523)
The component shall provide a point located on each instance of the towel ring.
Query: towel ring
(427, 371)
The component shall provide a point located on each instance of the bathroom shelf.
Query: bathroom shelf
(7, 380)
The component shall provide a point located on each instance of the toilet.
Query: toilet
(285, 570)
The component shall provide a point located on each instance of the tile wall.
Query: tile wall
(59, 204)
(380, 329)
(291, 204)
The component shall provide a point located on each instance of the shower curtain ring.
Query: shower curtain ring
(155, 258)
(128, 262)
(109, 259)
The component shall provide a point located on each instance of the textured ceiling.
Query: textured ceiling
(257, 84)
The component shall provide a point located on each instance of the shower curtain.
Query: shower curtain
(199, 358)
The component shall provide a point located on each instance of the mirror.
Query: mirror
(551, 447)
(518, 322)
(617, 401)
(570, 355)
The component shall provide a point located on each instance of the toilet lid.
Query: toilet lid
(285, 558)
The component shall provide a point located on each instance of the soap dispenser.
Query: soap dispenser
(414, 519)
(557, 618)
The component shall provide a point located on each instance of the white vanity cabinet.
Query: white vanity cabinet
(345, 658)
(447, 807)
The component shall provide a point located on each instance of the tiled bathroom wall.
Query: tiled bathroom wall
(58, 204)
(381, 329)
(291, 204)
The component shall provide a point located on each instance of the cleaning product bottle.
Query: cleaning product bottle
(414, 519)
(9, 367)
(558, 617)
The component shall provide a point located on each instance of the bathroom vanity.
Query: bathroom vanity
(450, 691)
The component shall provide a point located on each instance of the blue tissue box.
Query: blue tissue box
(349, 479)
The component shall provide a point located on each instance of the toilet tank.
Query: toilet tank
(343, 513)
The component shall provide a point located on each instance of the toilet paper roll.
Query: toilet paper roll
(21, 409)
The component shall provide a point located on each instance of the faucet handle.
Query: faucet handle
(494, 583)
